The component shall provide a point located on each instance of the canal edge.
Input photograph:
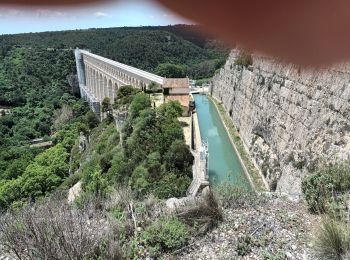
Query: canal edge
(255, 185)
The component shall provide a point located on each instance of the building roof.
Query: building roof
(176, 83)
(183, 99)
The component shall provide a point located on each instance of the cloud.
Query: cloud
(45, 13)
(101, 14)
(6, 12)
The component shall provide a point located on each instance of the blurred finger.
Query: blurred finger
(304, 32)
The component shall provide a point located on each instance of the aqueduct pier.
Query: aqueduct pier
(100, 77)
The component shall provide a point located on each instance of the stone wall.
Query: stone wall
(290, 119)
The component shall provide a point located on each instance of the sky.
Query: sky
(121, 13)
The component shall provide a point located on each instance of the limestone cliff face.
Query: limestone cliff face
(290, 119)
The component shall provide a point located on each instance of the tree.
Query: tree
(179, 158)
(171, 110)
(98, 186)
(153, 165)
(106, 105)
(172, 185)
(153, 87)
(91, 119)
(139, 180)
(62, 116)
(170, 70)
(140, 102)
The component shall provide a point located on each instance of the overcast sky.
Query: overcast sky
(121, 13)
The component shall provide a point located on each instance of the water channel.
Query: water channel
(224, 165)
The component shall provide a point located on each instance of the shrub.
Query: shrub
(317, 190)
(54, 230)
(332, 240)
(139, 180)
(243, 246)
(340, 174)
(172, 185)
(166, 234)
(98, 186)
(244, 59)
(91, 119)
(235, 196)
(205, 213)
(70, 181)
(325, 188)
(280, 255)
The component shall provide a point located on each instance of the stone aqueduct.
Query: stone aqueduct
(100, 77)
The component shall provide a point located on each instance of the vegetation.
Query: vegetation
(35, 85)
(166, 234)
(54, 230)
(243, 246)
(332, 240)
(325, 188)
(168, 70)
(244, 59)
(326, 192)
(119, 226)
(38, 84)
(204, 214)
(153, 158)
(141, 47)
(203, 81)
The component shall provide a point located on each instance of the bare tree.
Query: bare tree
(62, 116)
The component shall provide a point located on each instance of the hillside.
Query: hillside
(36, 79)
(141, 47)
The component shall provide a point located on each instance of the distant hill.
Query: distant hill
(142, 47)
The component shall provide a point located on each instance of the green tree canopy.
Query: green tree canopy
(168, 70)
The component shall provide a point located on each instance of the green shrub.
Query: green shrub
(98, 185)
(139, 180)
(70, 181)
(235, 196)
(332, 240)
(340, 174)
(243, 246)
(317, 190)
(267, 255)
(172, 185)
(166, 234)
(324, 189)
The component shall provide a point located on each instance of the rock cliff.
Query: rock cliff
(290, 119)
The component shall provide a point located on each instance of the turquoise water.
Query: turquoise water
(224, 165)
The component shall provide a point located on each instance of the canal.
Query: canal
(224, 165)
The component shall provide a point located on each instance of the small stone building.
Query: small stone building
(177, 89)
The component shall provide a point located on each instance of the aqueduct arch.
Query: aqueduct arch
(100, 77)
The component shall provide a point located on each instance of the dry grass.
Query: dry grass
(55, 230)
(332, 239)
(205, 213)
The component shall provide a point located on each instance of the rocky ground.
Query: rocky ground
(268, 227)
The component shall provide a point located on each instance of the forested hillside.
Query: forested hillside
(141, 47)
(34, 72)
(34, 86)
(147, 160)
